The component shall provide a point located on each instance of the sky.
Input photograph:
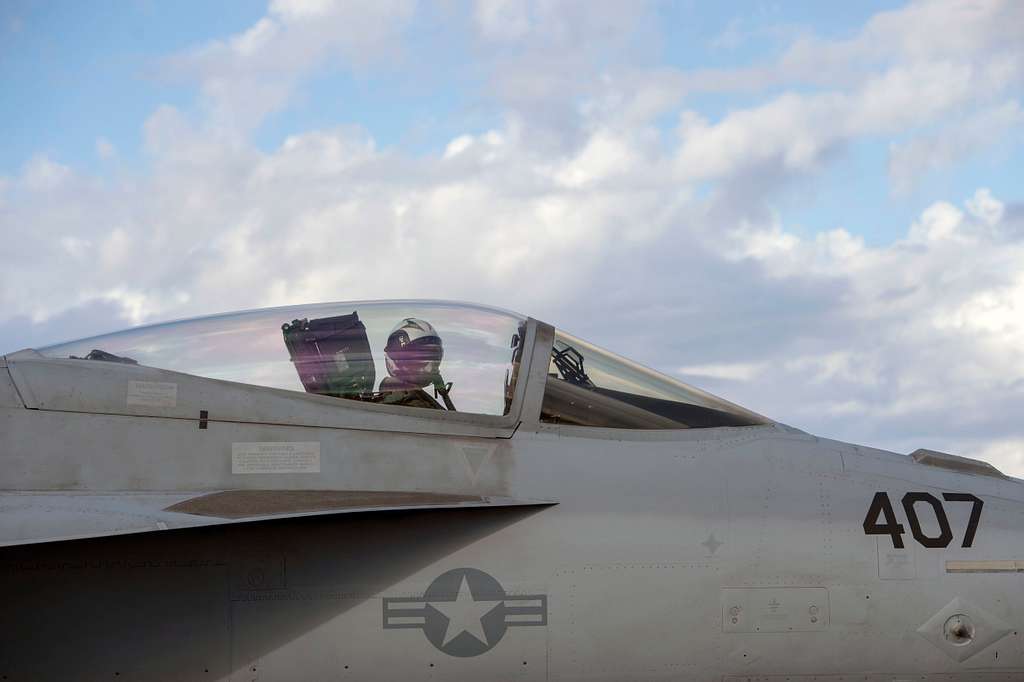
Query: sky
(815, 210)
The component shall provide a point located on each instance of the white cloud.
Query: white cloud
(605, 156)
(940, 336)
(458, 145)
(545, 60)
(300, 10)
(986, 207)
(922, 29)
(502, 19)
(897, 76)
(256, 39)
(940, 221)
(1006, 454)
(917, 33)
(954, 142)
(75, 247)
(254, 73)
(554, 23)
(326, 215)
(487, 148)
(797, 132)
(42, 174)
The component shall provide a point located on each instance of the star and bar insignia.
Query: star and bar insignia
(465, 612)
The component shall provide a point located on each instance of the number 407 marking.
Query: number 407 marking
(881, 509)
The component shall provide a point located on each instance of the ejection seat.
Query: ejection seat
(332, 356)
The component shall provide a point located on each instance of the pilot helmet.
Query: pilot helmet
(414, 351)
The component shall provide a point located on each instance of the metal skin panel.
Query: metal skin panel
(631, 576)
(77, 451)
(8, 393)
(632, 563)
(775, 609)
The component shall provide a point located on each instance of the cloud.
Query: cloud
(921, 339)
(917, 33)
(502, 20)
(944, 101)
(956, 141)
(796, 132)
(254, 73)
(88, 319)
(544, 60)
(42, 174)
(986, 207)
(1007, 455)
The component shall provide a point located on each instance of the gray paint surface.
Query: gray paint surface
(656, 543)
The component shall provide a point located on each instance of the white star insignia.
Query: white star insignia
(465, 614)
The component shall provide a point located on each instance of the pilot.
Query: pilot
(413, 358)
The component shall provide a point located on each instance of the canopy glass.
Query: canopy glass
(420, 354)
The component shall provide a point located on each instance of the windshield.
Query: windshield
(444, 356)
(589, 386)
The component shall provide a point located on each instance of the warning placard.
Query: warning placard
(152, 394)
(275, 458)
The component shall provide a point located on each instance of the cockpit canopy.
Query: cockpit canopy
(332, 349)
(416, 354)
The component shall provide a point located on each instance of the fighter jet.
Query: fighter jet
(417, 490)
